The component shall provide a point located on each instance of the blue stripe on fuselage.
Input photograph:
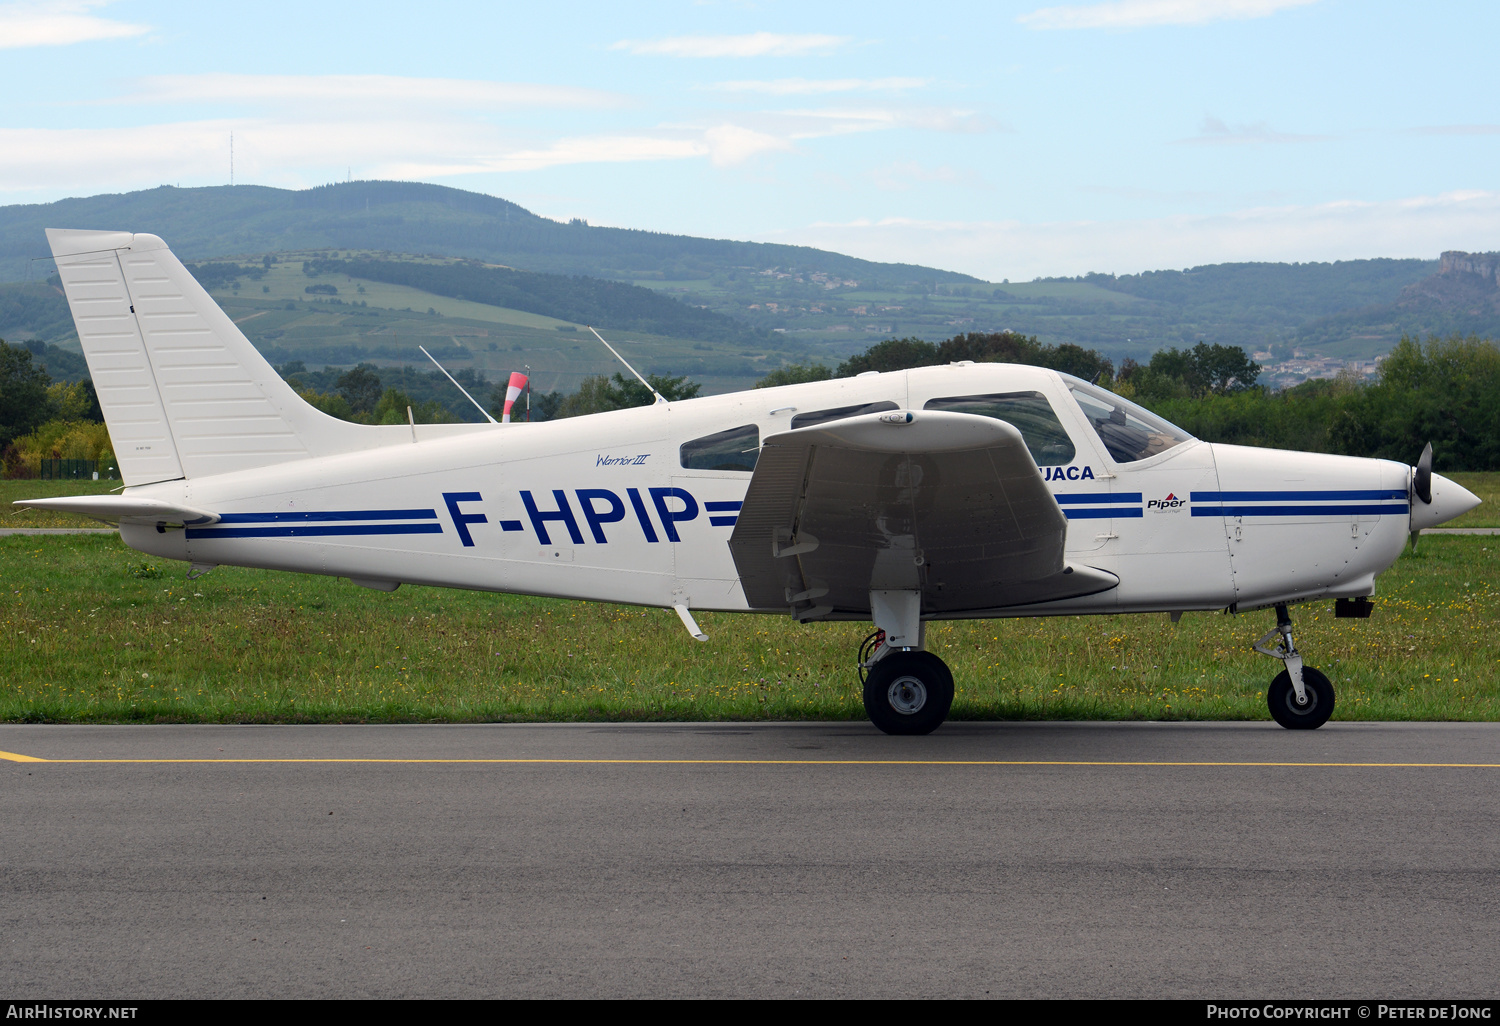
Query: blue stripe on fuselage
(1349, 510)
(311, 530)
(1298, 496)
(1066, 498)
(328, 515)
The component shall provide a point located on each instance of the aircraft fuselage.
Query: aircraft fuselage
(603, 508)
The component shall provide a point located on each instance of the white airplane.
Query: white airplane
(957, 492)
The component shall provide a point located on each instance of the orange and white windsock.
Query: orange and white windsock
(512, 392)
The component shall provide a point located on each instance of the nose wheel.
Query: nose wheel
(1308, 713)
(1300, 698)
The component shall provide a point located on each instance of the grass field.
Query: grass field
(96, 633)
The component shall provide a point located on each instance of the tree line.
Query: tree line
(45, 419)
(1440, 390)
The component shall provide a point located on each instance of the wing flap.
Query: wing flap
(950, 504)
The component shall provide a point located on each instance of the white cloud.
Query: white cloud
(844, 120)
(1143, 13)
(724, 145)
(755, 44)
(309, 129)
(59, 23)
(1458, 130)
(902, 175)
(309, 152)
(385, 90)
(197, 152)
(734, 144)
(1215, 132)
(806, 86)
(1420, 226)
(599, 149)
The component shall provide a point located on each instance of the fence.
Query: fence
(74, 470)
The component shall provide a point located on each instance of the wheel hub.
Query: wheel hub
(907, 695)
(1307, 705)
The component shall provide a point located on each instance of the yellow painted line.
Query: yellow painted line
(13, 757)
(774, 762)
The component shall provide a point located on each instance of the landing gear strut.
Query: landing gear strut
(907, 690)
(1300, 697)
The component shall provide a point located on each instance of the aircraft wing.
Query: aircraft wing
(950, 504)
(115, 508)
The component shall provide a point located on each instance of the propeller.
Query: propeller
(1421, 479)
(1421, 485)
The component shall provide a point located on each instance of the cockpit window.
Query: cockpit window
(1028, 412)
(1128, 432)
(803, 420)
(735, 449)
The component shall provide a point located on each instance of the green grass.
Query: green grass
(97, 633)
(15, 516)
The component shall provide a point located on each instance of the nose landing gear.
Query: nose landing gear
(1300, 698)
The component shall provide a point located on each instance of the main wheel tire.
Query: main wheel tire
(909, 693)
(1282, 698)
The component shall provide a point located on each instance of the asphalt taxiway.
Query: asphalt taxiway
(999, 859)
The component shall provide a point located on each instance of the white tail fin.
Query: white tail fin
(183, 391)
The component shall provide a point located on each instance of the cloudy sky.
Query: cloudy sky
(1005, 139)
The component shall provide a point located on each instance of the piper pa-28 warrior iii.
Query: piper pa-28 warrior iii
(966, 491)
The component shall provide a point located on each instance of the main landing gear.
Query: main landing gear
(906, 691)
(1300, 697)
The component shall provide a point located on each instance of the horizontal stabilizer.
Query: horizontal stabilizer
(115, 508)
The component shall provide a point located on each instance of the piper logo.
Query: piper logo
(1170, 502)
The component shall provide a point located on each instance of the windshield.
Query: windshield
(1129, 433)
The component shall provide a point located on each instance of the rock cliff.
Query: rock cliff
(1465, 283)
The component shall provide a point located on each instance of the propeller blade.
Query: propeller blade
(1421, 479)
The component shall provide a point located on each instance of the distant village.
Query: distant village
(1305, 367)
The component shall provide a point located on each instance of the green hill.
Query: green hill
(582, 300)
(714, 307)
(412, 217)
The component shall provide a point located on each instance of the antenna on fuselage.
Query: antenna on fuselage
(456, 385)
(659, 397)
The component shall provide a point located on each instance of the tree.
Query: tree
(795, 374)
(600, 394)
(547, 405)
(1446, 392)
(393, 406)
(331, 403)
(360, 388)
(594, 395)
(1224, 369)
(1191, 373)
(23, 393)
(891, 355)
(74, 401)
